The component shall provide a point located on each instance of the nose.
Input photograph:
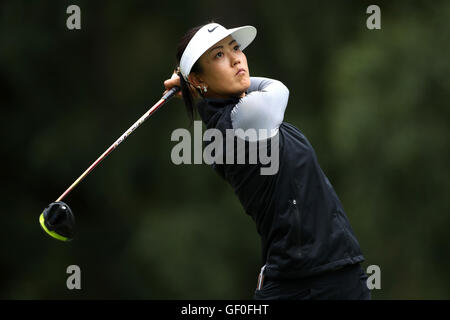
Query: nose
(235, 59)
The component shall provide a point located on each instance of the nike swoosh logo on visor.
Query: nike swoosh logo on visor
(212, 29)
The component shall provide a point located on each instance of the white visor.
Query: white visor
(208, 36)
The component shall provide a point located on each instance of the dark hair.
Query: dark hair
(185, 90)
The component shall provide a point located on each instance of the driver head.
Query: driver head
(58, 221)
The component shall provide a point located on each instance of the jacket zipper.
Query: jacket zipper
(299, 223)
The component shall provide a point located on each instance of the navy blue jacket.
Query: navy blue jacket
(303, 227)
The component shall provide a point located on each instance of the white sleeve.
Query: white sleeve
(262, 108)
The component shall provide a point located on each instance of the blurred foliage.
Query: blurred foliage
(374, 104)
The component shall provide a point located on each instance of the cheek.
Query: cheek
(244, 60)
(216, 70)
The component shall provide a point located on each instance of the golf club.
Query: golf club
(57, 219)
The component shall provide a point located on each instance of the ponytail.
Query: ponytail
(188, 99)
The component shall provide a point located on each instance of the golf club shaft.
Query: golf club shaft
(141, 120)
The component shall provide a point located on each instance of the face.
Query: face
(220, 67)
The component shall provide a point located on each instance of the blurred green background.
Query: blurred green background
(374, 104)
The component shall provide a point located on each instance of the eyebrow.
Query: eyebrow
(218, 47)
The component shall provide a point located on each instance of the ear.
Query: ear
(196, 80)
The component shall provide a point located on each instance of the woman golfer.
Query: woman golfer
(309, 250)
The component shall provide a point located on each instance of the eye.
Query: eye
(220, 53)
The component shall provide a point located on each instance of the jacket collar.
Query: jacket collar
(208, 107)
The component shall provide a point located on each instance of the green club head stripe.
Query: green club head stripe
(51, 233)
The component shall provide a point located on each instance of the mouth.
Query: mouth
(241, 70)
